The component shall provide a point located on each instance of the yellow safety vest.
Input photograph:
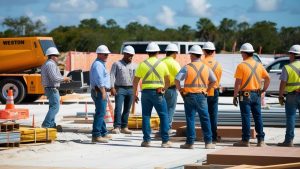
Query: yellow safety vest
(293, 71)
(152, 72)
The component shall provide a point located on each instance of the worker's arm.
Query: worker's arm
(136, 81)
(103, 92)
(113, 72)
(167, 82)
(212, 79)
(237, 85)
(281, 92)
(177, 83)
(266, 83)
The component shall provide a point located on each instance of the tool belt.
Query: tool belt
(295, 92)
(247, 93)
(98, 90)
(172, 87)
(160, 90)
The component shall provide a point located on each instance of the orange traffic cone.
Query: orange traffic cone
(10, 100)
(10, 112)
(108, 118)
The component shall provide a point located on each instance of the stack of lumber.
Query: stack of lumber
(29, 135)
(9, 134)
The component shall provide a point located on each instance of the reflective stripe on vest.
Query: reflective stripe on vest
(253, 71)
(297, 71)
(152, 70)
(193, 84)
(215, 67)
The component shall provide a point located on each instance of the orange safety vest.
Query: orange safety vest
(217, 69)
(196, 80)
(252, 77)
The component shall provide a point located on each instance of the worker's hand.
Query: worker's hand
(103, 95)
(281, 100)
(67, 79)
(136, 99)
(113, 91)
(235, 101)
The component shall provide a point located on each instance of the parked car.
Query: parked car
(274, 69)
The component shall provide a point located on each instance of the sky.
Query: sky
(159, 13)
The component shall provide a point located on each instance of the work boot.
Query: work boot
(210, 146)
(99, 140)
(167, 144)
(286, 144)
(126, 131)
(116, 130)
(242, 143)
(261, 144)
(59, 128)
(145, 144)
(187, 146)
(108, 136)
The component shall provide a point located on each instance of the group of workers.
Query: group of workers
(197, 82)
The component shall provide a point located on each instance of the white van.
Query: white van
(140, 46)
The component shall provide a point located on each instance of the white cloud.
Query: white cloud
(85, 16)
(199, 8)
(118, 3)
(267, 5)
(243, 18)
(101, 20)
(82, 6)
(166, 16)
(143, 20)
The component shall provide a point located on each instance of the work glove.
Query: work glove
(235, 101)
(281, 100)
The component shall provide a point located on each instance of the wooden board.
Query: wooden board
(254, 156)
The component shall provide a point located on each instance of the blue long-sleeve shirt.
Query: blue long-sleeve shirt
(98, 75)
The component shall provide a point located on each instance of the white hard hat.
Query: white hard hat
(152, 47)
(102, 49)
(196, 49)
(247, 47)
(172, 48)
(129, 49)
(52, 51)
(295, 49)
(209, 46)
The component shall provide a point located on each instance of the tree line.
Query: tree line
(227, 36)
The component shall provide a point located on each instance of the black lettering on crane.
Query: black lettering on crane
(14, 42)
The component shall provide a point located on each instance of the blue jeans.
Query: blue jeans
(151, 99)
(53, 97)
(291, 106)
(251, 103)
(212, 102)
(171, 99)
(99, 126)
(197, 103)
(124, 95)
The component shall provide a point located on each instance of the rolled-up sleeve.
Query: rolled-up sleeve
(181, 75)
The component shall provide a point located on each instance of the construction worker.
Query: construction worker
(213, 93)
(155, 80)
(198, 78)
(171, 93)
(51, 79)
(247, 92)
(121, 75)
(99, 82)
(290, 82)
